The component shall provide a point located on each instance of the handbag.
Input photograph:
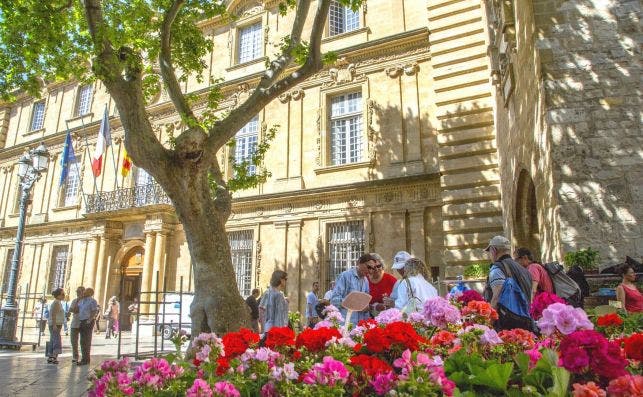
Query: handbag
(413, 301)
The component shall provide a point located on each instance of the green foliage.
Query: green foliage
(546, 378)
(587, 259)
(477, 270)
(242, 178)
(474, 374)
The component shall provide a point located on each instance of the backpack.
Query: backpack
(564, 286)
(513, 305)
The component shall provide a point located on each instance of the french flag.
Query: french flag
(104, 140)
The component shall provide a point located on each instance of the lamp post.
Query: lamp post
(30, 167)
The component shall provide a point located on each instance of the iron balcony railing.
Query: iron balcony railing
(121, 199)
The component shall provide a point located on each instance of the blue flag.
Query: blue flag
(68, 159)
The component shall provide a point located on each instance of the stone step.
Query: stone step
(471, 194)
(473, 224)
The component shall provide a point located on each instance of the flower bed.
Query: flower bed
(447, 349)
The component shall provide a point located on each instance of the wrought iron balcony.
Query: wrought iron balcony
(121, 199)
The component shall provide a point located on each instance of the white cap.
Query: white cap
(499, 242)
(400, 259)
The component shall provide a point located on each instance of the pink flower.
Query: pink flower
(329, 372)
(590, 389)
(269, 390)
(389, 316)
(382, 383)
(626, 386)
(490, 337)
(200, 388)
(225, 389)
(564, 319)
(440, 313)
(534, 355)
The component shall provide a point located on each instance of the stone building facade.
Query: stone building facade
(397, 146)
(568, 116)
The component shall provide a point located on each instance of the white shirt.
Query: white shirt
(420, 288)
(328, 294)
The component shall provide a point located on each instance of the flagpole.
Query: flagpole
(80, 177)
(113, 157)
(89, 153)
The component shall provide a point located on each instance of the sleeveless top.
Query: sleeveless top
(633, 299)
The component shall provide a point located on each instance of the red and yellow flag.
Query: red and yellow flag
(126, 167)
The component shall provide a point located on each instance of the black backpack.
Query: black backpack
(564, 285)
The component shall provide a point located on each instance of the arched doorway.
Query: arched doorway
(131, 271)
(526, 228)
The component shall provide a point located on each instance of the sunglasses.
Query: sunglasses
(374, 267)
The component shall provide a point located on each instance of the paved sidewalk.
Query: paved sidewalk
(26, 374)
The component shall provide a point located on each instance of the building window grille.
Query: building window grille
(341, 19)
(250, 38)
(246, 144)
(143, 194)
(59, 267)
(346, 128)
(7, 271)
(345, 246)
(38, 116)
(84, 100)
(241, 251)
(72, 185)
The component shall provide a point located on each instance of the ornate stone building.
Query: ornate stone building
(397, 146)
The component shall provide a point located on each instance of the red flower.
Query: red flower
(367, 323)
(626, 386)
(609, 320)
(395, 335)
(582, 349)
(222, 366)
(196, 362)
(296, 355)
(314, 340)
(634, 346)
(280, 336)
(469, 295)
(236, 343)
(357, 348)
(519, 337)
(443, 338)
(371, 365)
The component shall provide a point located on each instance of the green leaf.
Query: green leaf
(561, 382)
(495, 376)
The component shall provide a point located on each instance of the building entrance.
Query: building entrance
(132, 268)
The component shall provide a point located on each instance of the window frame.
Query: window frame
(328, 274)
(252, 169)
(345, 119)
(42, 102)
(360, 23)
(237, 42)
(74, 169)
(54, 267)
(250, 253)
(78, 100)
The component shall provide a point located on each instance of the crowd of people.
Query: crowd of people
(513, 280)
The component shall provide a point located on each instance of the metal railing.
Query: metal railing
(120, 199)
(31, 324)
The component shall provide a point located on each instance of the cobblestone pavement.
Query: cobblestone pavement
(26, 374)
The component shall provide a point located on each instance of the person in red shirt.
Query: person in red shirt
(540, 280)
(380, 283)
(630, 297)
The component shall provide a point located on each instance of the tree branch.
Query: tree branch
(63, 7)
(225, 129)
(103, 47)
(165, 62)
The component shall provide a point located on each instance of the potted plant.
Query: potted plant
(476, 271)
(587, 259)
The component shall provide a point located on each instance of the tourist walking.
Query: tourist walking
(627, 293)
(540, 280)
(380, 284)
(75, 323)
(41, 314)
(112, 315)
(253, 304)
(66, 305)
(87, 312)
(353, 279)
(55, 321)
(329, 294)
(133, 309)
(274, 302)
(413, 289)
(311, 303)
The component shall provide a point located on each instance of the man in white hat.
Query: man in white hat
(399, 260)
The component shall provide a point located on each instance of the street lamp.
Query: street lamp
(30, 167)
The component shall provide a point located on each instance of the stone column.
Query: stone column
(159, 261)
(146, 277)
(416, 233)
(100, 272)
(92, 257)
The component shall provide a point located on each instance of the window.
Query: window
(84, 100)
(246, 144)
(37, 116)
(72, 185)
(58, 268)
(241, 250)
(7, 271)
(345, 246)
(346, 128)
(341, 19)
(144, 188)
(249, 43)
